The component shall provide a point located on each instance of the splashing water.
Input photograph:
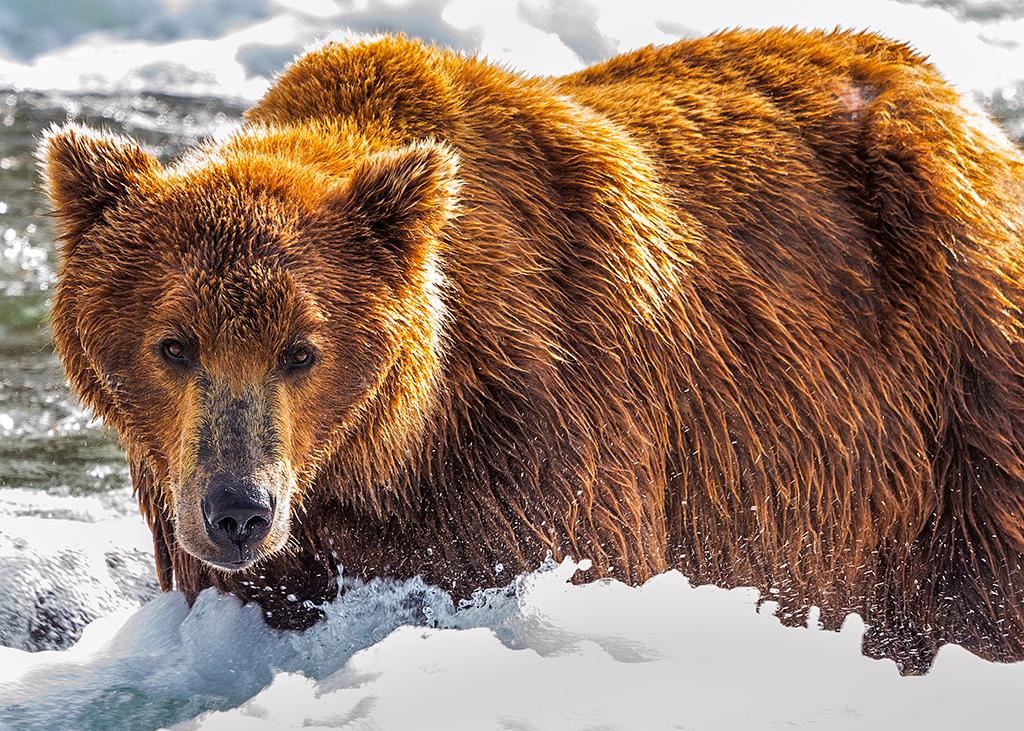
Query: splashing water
(541, 653)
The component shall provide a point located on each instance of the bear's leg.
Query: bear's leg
(897, 611)
(289, 588)
(961, 580)
(946, 200)
(971, 557)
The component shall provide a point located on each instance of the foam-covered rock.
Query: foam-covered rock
(65, 562)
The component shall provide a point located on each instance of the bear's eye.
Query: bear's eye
(298, 358)
(174, 351)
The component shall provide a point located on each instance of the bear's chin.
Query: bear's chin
(231, 568)
(232, 560)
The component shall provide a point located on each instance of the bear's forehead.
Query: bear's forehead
(232, 268)
(220, 207)
(230, 248)
(244, 286)
(250, 300)
(219, 234)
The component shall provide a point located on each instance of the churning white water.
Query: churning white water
(539, 654)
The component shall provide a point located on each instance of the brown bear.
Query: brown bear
(747, 306)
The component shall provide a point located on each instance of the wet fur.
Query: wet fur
(747, 306)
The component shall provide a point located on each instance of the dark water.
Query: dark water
(47, 441)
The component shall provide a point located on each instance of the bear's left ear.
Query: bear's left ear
(86, 171)
(402, 196)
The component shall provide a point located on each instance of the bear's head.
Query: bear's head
(248, 319)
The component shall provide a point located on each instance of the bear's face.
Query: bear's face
(244, 320)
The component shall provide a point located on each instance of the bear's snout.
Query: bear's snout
(233, 479)
(237, 515)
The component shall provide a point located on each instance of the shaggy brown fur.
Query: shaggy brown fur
(748, 306)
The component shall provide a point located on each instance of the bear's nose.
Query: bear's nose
(237, 514)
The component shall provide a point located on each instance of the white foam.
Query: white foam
(612, 657)
(544, 654)
(66, 561)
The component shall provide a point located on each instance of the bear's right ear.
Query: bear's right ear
(85, 171)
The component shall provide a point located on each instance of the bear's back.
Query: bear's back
(737, 292)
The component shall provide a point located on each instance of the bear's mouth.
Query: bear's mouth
(233, 566)
(232, 561)
(245, 556)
